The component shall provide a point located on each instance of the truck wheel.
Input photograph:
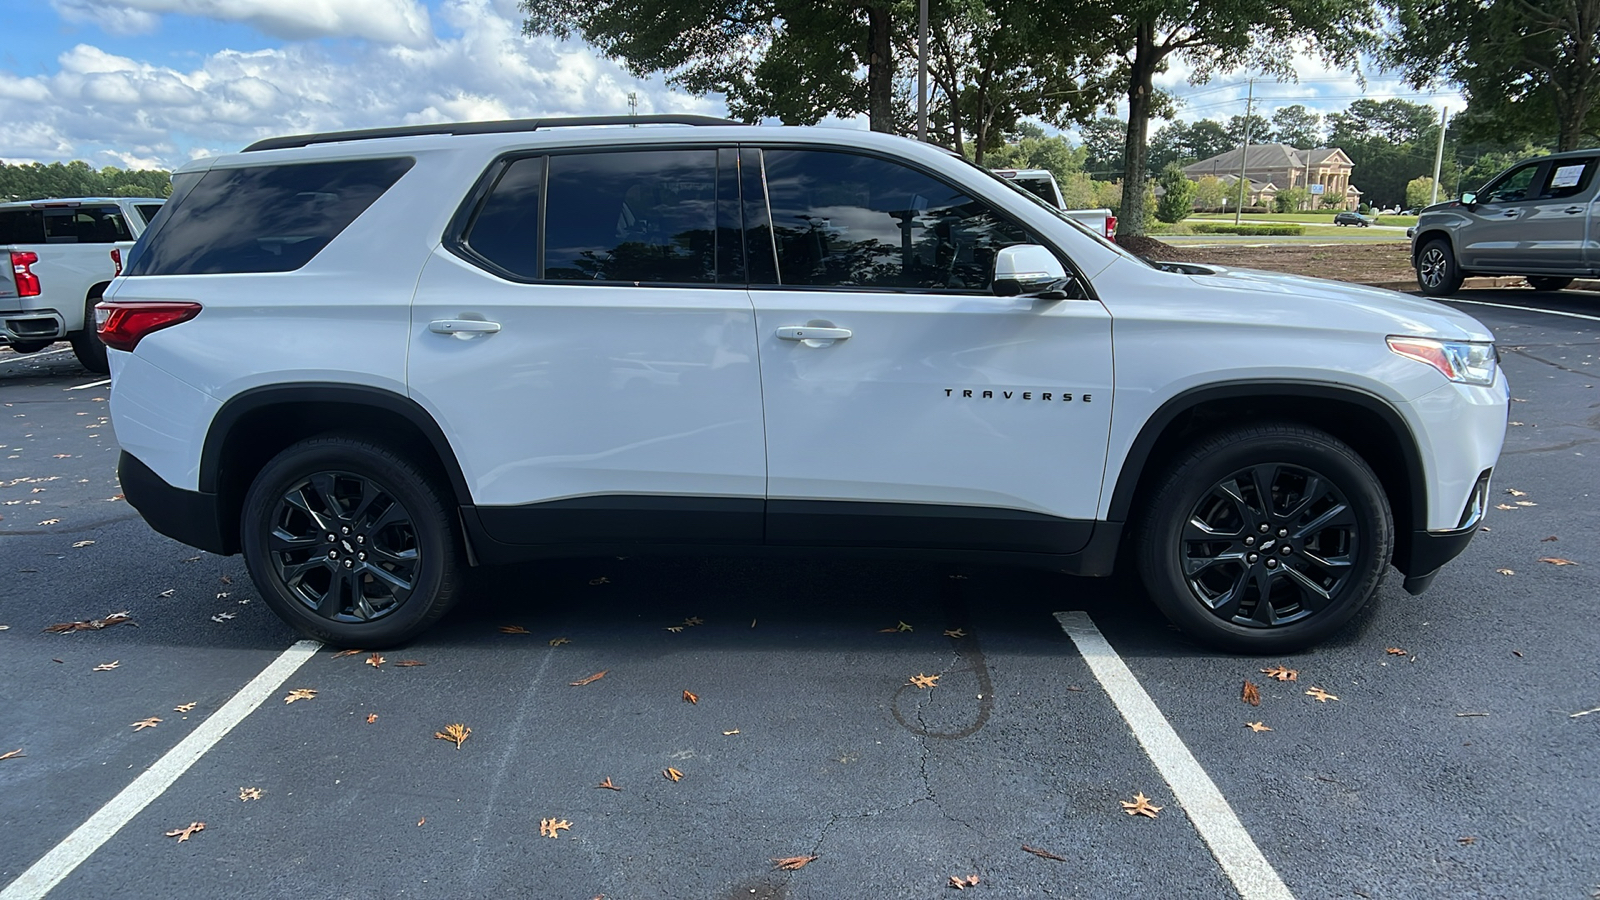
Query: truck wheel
(30, 346)
(1437, 272)
(1548, 282)
(1265, 539)
(350, 543)
(86, 344)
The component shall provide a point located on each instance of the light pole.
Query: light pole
(922, 70)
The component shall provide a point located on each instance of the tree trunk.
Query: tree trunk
(1136, 150)
(880, 69)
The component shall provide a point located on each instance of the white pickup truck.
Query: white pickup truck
(1042, 184)
(61, 256)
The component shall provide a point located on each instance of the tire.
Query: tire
(86, 344)
(394, 565)
(1548, 282)
(1208, 580)
(1437, 272)
(30, 346)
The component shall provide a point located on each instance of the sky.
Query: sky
(155, 83)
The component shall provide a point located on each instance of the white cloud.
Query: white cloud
(385, 21)
(115, 109)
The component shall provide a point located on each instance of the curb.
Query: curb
(1499, 281)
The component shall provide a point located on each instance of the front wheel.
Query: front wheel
(1548, 282)
(1266, 538)
(350, 543)
(1437, 272)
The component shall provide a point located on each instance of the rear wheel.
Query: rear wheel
(1548, 282)
(350, 543)
(1437, 272)
(1266, 538)
(86, 344)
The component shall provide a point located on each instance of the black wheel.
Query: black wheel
(1265, 538)
(350, 543)
(30, 346)
(86, 344)
(1548, 282)
(1437, 272)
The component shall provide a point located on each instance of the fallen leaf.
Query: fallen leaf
(1584, 713)
(955, 633)
(169, 591)
(691, 697)
(513, 629)
(556, 642)
(106, 667)
(601, 580)
(730, 733)
(222, 595)
(249, 793)
(116, 618)
(184, 707)
(457, 734)
(82, 543)
(672, 774)
(694, 620)
(961, 884)
(1526, 503)
(300, 694)
(1557, 561)
(1394, 651)
(1281, 673)
(14, 754)
(1546, 540)
(1517, 653)
(410, 663)
(182, 834)
(675, 629)
(63, 456)
(1321, 695)
(1471, 715)
(351, 652)
(222, 617)
(1140, 806)
(926, 682)
(51, 522)
(142, 724)
(376, 660)
(421, 820)
(226, 579)
(1257, 726)
(790, 863)
(1516, 493)
(372, 717)
(608, 785)
(590, 679)
(1251, 694)
(1513, 423)
(1504, 506)
(1466, 841)
(549, 827)
(1506, 571)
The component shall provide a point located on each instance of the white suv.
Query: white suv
(367, 360)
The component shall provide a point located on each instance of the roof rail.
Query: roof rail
(503, 126)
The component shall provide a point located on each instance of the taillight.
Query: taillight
(1111, 229)
(116, 257)
(27, 282)
(123, 325)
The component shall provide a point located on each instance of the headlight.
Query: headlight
(1460, 361)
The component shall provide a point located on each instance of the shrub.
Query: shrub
(1177, 199)
(1266, 230)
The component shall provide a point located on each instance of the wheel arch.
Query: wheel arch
(256, 425)
(1424, 238)
(1368, 423)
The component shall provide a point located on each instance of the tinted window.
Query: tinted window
(21, 226)
(85, 225)
(506, 230)
(263, 218)
(846, 220)
(1567, 178)
(147, 211)
(1512, 186)
(639, 216)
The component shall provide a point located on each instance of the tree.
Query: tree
(1054, 153)
(1210, 192)
(1260, 130)
(1389, 142)
(1207, 138)
(1394, 121)
(1291, 199)
(36, 181)
(1137, 38)
(1529, 68)
(1177, 198)
(1103, 138)
(1297, 126)
(1419, 191)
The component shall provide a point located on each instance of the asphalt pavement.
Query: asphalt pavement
(1456, 762)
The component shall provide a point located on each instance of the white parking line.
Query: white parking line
(1236, 852)
(1548, 312)
(109, 819)
(92, 384)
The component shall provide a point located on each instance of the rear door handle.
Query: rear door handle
(811, 333)
(463, 326)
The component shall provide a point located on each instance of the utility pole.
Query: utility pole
(1438, 155)
(922, 70)
(1244, 151)
(633, 105)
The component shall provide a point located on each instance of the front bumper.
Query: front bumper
(1422, 553)
(192, 517)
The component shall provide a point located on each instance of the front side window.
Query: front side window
(844, 220)
(1511, 187)
(632, 216)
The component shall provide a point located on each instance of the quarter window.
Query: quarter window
(506, 231)
(844, 220)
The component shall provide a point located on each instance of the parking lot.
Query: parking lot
(1457, 759)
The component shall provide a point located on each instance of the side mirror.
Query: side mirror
(1469, 199)
(1026, 269)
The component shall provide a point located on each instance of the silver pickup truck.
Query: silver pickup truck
(1536, 219)
(60, 255)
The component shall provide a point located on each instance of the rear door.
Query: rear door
(936, 414)
(1555, 223)
(587, 343)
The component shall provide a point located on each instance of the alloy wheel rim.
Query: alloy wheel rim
(1269, 546)
(344, 547)
(1433, 263)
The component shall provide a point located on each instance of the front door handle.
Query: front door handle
(1510, 214)
(811, 333)
(463, 327)
(1571, 210)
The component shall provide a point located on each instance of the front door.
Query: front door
(906, 404)
(588, 345)
(1493, 240)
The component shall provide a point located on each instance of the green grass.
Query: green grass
(1306, 218)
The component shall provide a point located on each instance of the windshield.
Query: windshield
(1061, 214)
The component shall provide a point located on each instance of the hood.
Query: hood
(1405, 313)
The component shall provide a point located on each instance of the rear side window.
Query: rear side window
(21, 226)
(147, 211)
(1568, 178)
(85, 225)
(263, 218)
